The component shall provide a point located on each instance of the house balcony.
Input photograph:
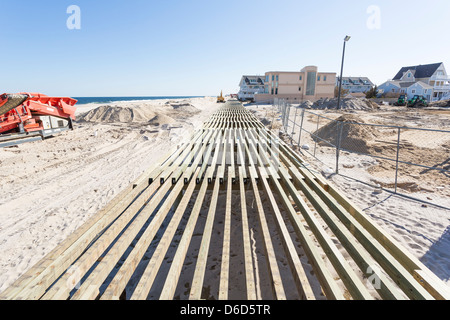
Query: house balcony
(440, 78)
(443, 88)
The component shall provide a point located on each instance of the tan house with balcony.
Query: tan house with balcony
(298, 86)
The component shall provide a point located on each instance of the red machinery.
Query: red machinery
(34, 114)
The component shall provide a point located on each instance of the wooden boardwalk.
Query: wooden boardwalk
(234, 213)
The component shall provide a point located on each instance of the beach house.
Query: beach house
(430, 80)
(298, 86)
(357, 86)
(249, 86)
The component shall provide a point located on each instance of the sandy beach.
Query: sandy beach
(50, 188)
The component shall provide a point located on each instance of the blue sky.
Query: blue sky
(160, 48)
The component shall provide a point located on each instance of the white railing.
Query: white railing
(443, 88)
(440, 78)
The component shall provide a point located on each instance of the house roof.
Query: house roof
(423, 85)
(420, 71)
(393, 82)
(259, 79)
(362, 79)
(406, 84)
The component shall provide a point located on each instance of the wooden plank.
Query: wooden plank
(199, 157)
(100, 273)
(353, 283)
(422, 274)
(117, 285)
(395, 270)
(276, 282)
(249, 268)
(61, 289)
(387, 289)
(327, 281)
(197, 282)
(225, 264)
(218, 144)
(299, 273)
(177, 263)
(88, 231)
(41, 282)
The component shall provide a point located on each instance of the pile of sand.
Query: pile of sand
(161, 120)
(113, 114)
(346, 104)
(182, 107)
(142, 114)
(352, 136)
(440, 104)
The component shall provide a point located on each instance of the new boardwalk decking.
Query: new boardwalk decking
(232, 214)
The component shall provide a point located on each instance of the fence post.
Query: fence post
(293, 126)
(288, 113)
(301, 128)
(396, 160)
(315, 140)
(338, 147)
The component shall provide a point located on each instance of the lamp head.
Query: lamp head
(347, 38)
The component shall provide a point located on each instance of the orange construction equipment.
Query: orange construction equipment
(24, 114)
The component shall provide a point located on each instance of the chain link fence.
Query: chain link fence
(399, 175)
(414, 162)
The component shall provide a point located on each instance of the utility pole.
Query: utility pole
(342, 70)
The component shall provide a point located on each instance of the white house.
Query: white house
(249, 86)
(429, 80)
(355, 84)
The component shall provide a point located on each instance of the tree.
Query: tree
(372, 93)
(343, 91)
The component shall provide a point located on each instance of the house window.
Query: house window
(272, 90)
(300, 78)
(299, 88)
(324, 78)
(277, 78)
(267, 78)
(318, 78)
(413, 91)
(276, 91)
(409, 75)
(273, 78)
(311, 84)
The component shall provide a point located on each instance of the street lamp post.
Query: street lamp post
(342, 70)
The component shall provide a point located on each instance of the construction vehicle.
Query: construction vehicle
(220, 99)
(417, 102)
(402, 101)
(26, 117)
